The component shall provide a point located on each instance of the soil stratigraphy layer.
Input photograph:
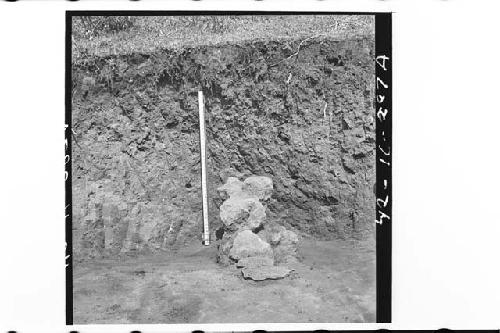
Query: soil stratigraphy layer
(305, 121)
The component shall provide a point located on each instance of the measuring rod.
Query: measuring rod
(201, 107)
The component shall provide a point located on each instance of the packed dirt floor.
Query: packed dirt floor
(334, 282)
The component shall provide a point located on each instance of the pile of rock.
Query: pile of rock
(261, 249)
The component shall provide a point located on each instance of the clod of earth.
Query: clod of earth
(248, 238)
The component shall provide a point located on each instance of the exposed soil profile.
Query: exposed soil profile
(297, 112)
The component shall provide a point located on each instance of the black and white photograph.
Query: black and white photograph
(249, 166)
(223, 168)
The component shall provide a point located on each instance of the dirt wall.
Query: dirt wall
(306, 121)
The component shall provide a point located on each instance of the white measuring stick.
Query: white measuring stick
(201, 107)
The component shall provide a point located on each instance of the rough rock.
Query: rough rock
(283, 242)
(224, 246)
(232, 187)
(261, 273)
(258, 186)
(248, 244)
(240, 213)
(255, 262)
(272, 233)
(246, 233)
(285, 253)
(225, 173)
(242, 210)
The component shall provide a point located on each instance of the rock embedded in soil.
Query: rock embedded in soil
(248, 237)
(261, 273)
(233, 186)
(286, 250)
(247, 244)
(240, 212)
(260, 187)
(255, 262)
(284, 242)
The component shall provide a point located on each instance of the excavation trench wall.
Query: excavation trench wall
(306, 121)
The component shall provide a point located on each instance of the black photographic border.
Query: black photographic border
(383, 117)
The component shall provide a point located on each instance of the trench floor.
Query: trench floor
(334, 282)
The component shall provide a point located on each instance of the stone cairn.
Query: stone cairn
(261, 249)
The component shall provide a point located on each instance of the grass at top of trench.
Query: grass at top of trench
(122, 35)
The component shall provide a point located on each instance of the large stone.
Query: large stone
(261, 273)
(248, 244)
(242, 213)
(286, 250)
(224, 246)
(283, 242)
(257, 216)
(272, 233)
(225, 173)
(276, 234)
(288, 237)
(232, 187)
(258, 186)
(255, 262)
(239, 213)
